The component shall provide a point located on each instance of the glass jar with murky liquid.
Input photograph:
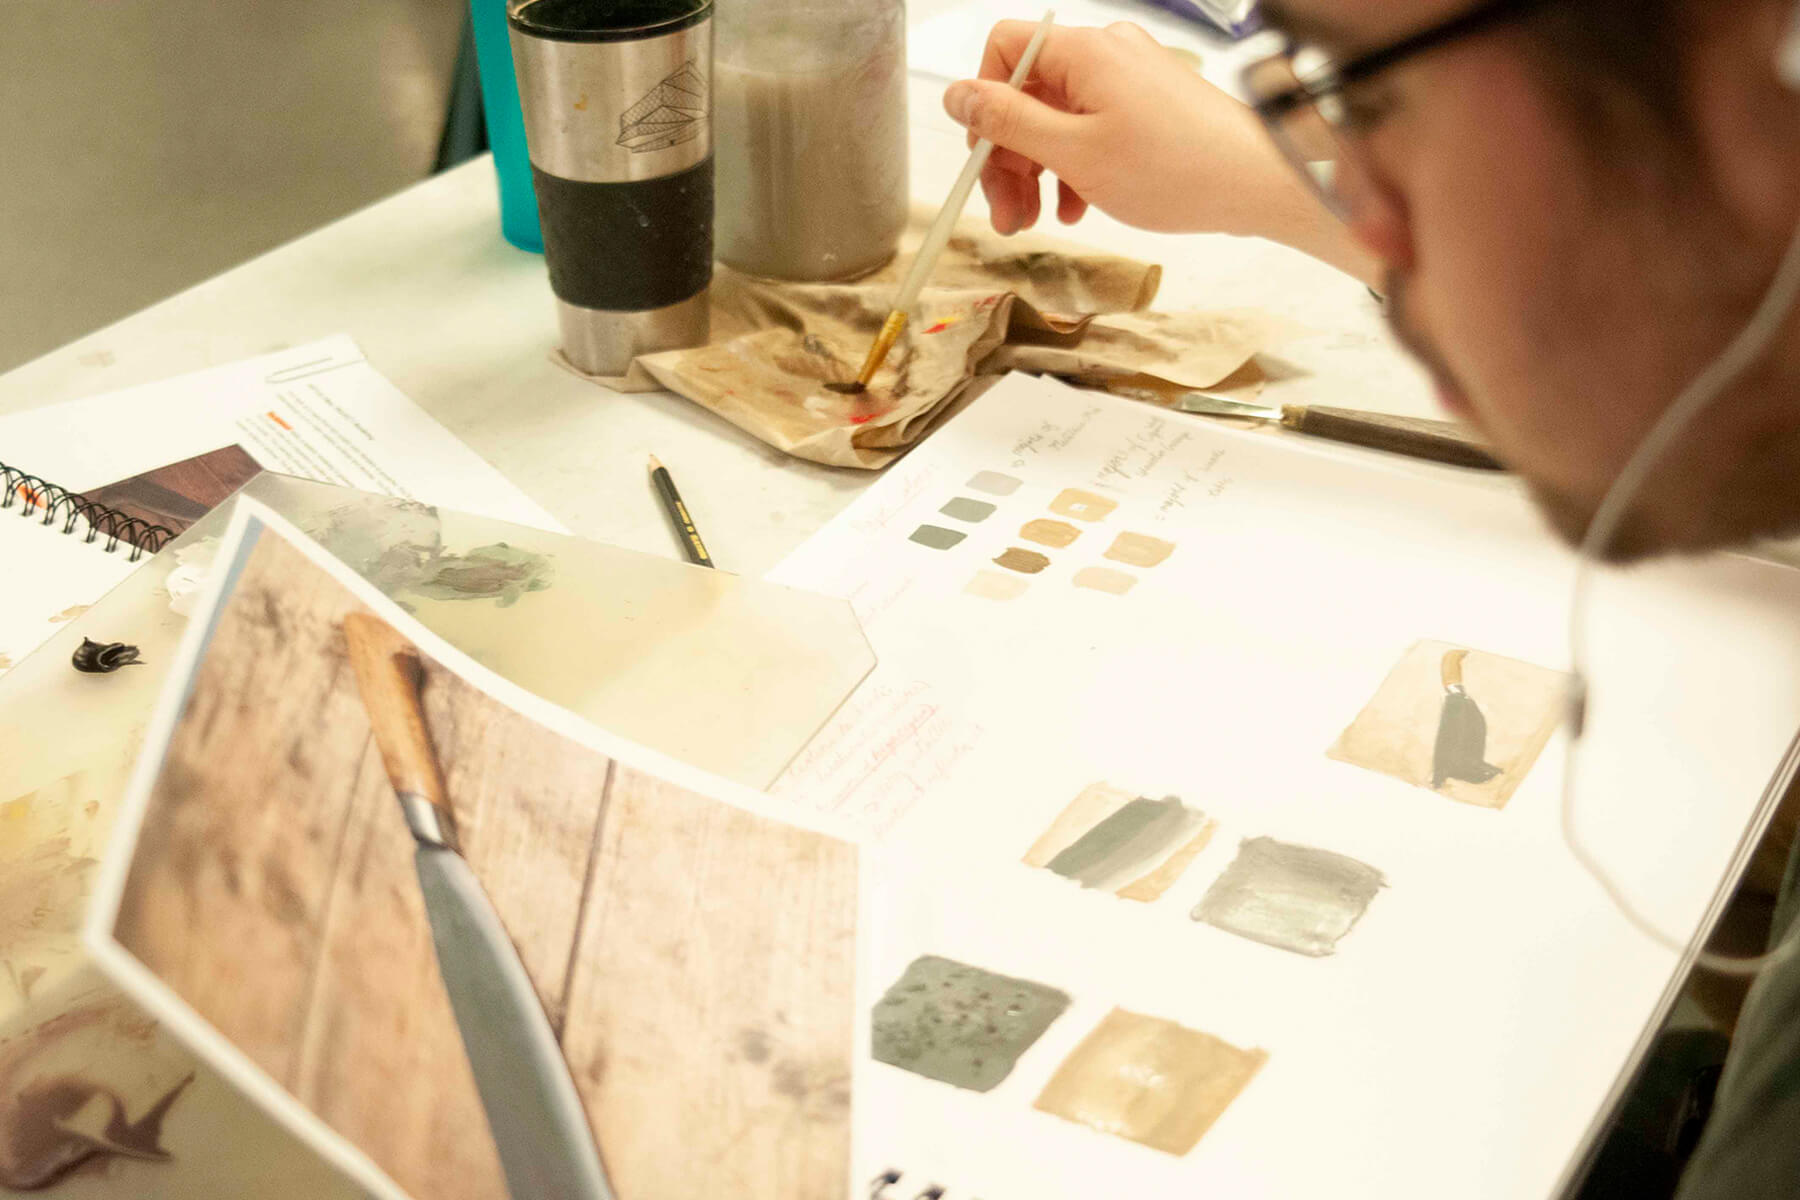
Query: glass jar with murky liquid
(809, 136)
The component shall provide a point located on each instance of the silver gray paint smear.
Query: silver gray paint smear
(1128, 843)
(1290, 897)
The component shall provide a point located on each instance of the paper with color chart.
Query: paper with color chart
(318, 412)
(1254, 740)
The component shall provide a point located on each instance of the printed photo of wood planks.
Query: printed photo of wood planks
(697, 961)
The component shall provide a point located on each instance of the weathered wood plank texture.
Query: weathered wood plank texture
(705, 996)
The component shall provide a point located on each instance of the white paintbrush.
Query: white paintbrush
(938, 236)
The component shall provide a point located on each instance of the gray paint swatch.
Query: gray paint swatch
(1128, 842)
(1290, 897)
(993, 483)
(937, 537)
(959, 1024)
(963, 508)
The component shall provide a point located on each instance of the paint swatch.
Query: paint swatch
(1466, 725)
(996, 585)
(1290, 897)
(1045, 532)
(937, 537)
(1026, 562)
(1105, 579)
(1114, 841)
(952, 1022)
(1082, 505)
(1149, 1080)
(1139, 550)
(993, 483)
(963, 508)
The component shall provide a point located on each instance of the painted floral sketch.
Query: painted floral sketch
(1459, 722)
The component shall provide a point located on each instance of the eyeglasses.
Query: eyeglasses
(1308, 102)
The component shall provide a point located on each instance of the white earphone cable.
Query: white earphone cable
(1744, 351)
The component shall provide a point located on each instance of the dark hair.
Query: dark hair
(1618, 64)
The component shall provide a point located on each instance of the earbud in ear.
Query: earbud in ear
(1787, 58)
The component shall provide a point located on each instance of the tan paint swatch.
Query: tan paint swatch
(993, 585)
(1045, 532)
(1026, 562)
(1139, 549)
(1149, 1080)
(1105, 579)
(1082, 505)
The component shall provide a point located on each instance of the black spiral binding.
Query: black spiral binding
(72, 507)
(883, 1186)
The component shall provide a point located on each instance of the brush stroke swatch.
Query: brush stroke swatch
(1149, 1080)
(1464, 724)
(937, 537)
(967, 508)
(1114, 841)
(1025, 562)
(1290, 897)
(996, 585)
(1105, 579)
(993, 483)
(1045, 532)
(1082, 505)
(1139, 550)
(959, 1024)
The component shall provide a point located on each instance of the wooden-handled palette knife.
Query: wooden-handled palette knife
(546, 1146)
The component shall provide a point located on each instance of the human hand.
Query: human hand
(1126, 125)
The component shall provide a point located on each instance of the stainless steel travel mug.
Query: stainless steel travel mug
(617, 102)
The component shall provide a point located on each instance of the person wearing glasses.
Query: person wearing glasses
(1577, 212)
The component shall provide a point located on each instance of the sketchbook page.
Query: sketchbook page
(1259, 737)
(733, 675)
(51, 579)
(318, 411)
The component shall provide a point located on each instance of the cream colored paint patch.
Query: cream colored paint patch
(1082, 505)
(1150, 1081)
(996, 585)
(1139, 550)
(1105, 579)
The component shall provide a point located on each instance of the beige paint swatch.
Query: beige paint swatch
(1045, 532)
(1026, 562)
(1397, 732)
(1149, 1080)
(1105, 579)
(1082, 505)
(1139, 549)
(996, 585)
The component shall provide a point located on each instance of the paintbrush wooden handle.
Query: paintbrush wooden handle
(388, 674)
(1415, 437)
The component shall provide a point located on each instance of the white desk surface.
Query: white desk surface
(463, 324)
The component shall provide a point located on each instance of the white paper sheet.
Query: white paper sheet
(318, 411)
(51, 578)
(949, 45)
(1468, 1030)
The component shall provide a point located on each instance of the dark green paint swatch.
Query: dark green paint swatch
(959, 1024)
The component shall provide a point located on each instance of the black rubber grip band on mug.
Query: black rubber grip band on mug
(628, 247)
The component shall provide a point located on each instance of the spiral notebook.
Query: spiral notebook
(72, 547)
(318, 411)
